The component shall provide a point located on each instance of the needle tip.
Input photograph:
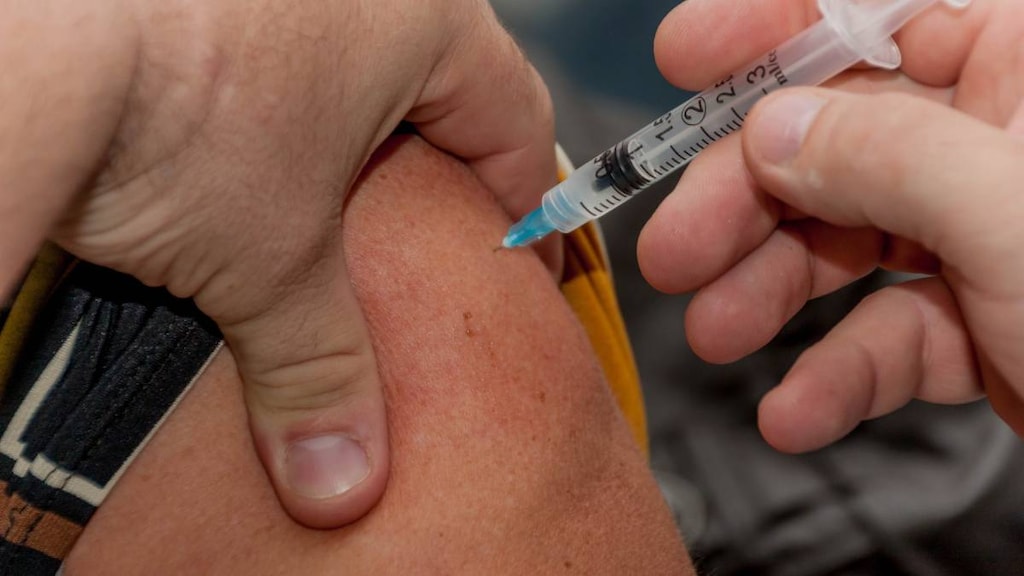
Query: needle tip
(528, 230)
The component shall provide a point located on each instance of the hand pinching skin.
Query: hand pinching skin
(208, 147)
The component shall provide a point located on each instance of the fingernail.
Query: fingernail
(783, 124)
(325, 466)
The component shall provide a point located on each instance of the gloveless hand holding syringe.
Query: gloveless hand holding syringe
(850, 31)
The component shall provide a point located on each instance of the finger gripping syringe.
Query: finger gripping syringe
(850, 31)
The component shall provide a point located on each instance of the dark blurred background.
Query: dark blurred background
(928, 491)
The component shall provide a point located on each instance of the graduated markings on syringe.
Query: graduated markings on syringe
(692, 114)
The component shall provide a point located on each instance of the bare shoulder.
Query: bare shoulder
(509, 455)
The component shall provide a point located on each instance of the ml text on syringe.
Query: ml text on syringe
(850, 31)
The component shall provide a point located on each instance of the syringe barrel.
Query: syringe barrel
(560, 210)
(850, 31)
(814, 56)
(582, 197)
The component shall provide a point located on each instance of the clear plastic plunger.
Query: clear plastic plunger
(850, 31)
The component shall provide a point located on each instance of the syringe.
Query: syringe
(850, 31)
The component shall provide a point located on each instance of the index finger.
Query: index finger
(486, 104)
(702, 40)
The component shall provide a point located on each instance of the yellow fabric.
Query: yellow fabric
(46, 272)
(587, 285)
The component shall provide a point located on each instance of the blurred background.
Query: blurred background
(928, 491)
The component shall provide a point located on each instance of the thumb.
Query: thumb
(316, 407)
(923, 172)
(903, 165)
(487, 105)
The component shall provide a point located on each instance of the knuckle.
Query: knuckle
(332, 380)
(545, 105)
(298, 362)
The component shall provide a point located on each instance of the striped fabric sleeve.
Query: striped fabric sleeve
(104, 362)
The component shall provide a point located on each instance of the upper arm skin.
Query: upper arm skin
(508, 454)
